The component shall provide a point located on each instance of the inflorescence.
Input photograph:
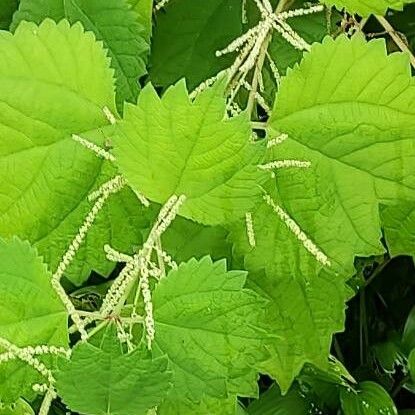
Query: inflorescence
(252, 50)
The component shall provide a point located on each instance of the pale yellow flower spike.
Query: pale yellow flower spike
(141, 265)
(250, 229)
(107, 189)
(281, 164)
(277, 140)
(299, 234)
(109, 115)
(99, 151)
(47, 401)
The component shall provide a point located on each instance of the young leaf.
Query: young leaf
(365, 8)
(307, 302)
(30, 314)
(56, 81)
(211, 329)
(111, 21)
(369, 399)
(105, 381)
(173, 145)
(355, 131)
(198, 32)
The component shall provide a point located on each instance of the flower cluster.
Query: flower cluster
(26, 355)
(252, 48)
(280, 164)
(250, 229)
(104, 192)
(140, 266)
(99, 151)
(277, 140)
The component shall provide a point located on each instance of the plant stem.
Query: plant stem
(376, 272)
(396, 38)
(281, 6)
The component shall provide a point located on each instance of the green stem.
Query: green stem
(281, 6)
(396, 38)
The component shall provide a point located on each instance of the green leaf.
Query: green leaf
(144, 10)
(367, 7)
(207, 406)
(103, 380)
(177, 146)
(399, 227)
(272, 402)
(8, 7)
(30, 314)
(185, 239)
(211, 329)
(346, 108)
(111, 21)
(307, 302)
(55, 82)
(198, 32)
(389, 353)
(20, 407)
(111, 227)
(369, 399)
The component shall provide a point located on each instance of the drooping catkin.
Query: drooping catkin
(308, 244)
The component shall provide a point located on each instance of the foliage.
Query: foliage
(207, 209)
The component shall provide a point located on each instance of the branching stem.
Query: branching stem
(282, 5)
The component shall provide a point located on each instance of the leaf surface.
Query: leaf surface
(112, 22)
(30, 314)
(55, 82)
(8, 7)
(346, 109)
(211, 328)
(198, 32)
(103, 380)
(172, 145)
(307, 302)
(369, 399)
(399, 227)
(367, 7)
(185, 239)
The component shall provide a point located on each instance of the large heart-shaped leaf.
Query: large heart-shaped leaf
(347, 109)
(55, 82)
